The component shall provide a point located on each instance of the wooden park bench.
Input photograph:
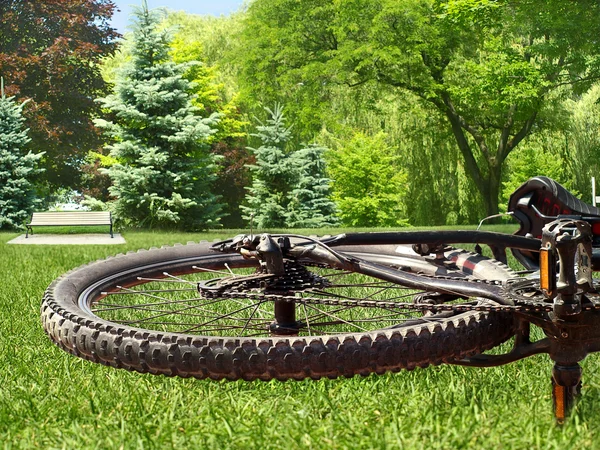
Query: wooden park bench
(69, 219)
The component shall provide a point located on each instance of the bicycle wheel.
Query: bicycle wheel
(188, 311)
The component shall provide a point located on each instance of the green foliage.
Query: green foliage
(310, 205)
(50, 53)
(581, 141)
(273, 175)
(569, 153)
(289, 188)
(541, 155)
(200, 43)
(215, 93)
(18, 168)
(282, 57)
(369, 184)
(495, 71)
(164, 172)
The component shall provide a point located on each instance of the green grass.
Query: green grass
(50, 399)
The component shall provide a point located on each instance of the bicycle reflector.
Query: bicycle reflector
(547, 272)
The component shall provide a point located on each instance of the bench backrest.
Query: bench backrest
(71, 218)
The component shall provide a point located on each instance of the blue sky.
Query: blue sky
(212, 7)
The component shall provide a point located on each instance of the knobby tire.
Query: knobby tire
(69, 320)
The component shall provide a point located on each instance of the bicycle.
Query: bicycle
(294, 307)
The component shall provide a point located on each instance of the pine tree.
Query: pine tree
(17, 168)
(273, 175)
(310, 205)
(165, 170)
(289, 188)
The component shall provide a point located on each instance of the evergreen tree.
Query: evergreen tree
(165, 170)
(310, 205)
(288, 188)
(273, 175)
(17, 196)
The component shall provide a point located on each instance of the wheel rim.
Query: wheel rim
(156, 299)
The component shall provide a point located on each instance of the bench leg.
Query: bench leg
(111, 231)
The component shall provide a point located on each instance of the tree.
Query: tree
(17, 168)
(582, 140)
(310, 203)
(273, 175)
(201, 40)
(164, 169)
(369, 186)
(288, 187)
(50, 53)
(215, 93)
(494, 69)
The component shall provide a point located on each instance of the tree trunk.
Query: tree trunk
(488, 184)
(492, 198)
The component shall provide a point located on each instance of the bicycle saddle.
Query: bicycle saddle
(537, 202)
(549, 198)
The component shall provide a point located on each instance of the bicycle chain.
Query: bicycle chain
(524, 302)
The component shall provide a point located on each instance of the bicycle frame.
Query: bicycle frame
(556, 230)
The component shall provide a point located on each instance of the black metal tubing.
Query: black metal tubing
(450, 286)
(356, 264)
(519, 352)
(435, 238)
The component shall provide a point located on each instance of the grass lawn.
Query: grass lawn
(50, 399)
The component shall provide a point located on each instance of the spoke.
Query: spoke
(250, 318)
(336, 318)
(307, 321)
(221, 317)
(201, 308)
(205, 330)
(242, 302)
(198, 307)
(132, 291)
(162, 280)
(141, 306)
(163, 314)
(377, 292)
(230, 271)
(204, 269)
(167, 274)
(335, 274)
(365, 285)
(366, 320)
(164, 300)
(342, 308)
(333, 294)
(240, 310)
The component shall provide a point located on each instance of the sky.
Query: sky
(212, 7)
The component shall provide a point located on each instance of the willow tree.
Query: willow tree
(495, 69)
